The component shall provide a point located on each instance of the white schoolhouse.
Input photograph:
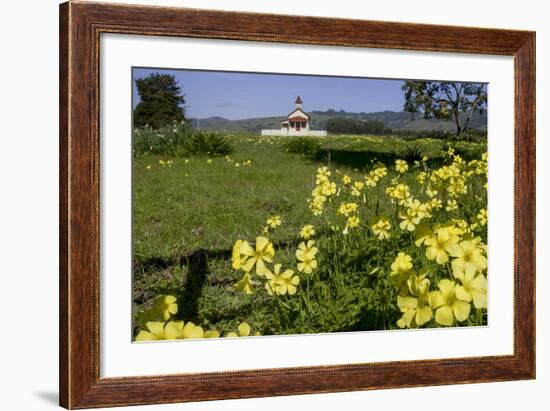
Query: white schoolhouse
(297, 123)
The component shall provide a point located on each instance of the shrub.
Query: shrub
(202, 143)
(167, 140)
(302, 145)
(411, 153)
(178, 139)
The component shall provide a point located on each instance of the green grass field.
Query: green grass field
(189, 212)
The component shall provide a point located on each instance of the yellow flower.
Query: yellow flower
(422, 233)
(482, 216)
(307, 232)
(243, 330)
(263, 253)
(469, 259)
(447, 303)
(400, 192)
(346, 180)
(402, 263)
(192, 331)
(209, 161)
(237, 259)
(401, 166)
(211, 334)
(421, 177)
(173, 330)
(353, 221)
(381, 228)
(166, 306)
(323, 172)
(246, 284)
(416, 311)
(435, 204)
(327, 188)
(415, 308)
(380, 172)
(348, 208)
(357, 187)
(439, 244)
(409, 220)
(451, 205)
(371, 180)
(280, 283)
(474, 287)
(287, 282)
(274, 221)
(148, 167)
(306, 255)
(430, 192)
(401, 269)
(157, 330)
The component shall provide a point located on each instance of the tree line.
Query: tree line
(162, 102)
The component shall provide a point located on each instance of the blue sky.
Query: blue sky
(235, 95)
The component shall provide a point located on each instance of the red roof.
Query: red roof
(297, 119)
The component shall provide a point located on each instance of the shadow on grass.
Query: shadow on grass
(197, 266)
(354, 159)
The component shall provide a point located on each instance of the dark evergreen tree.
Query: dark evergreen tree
(161, 101)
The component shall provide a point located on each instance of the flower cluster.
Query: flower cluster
(323, 191)
(461, 261)
(255, 262)
(157, 323)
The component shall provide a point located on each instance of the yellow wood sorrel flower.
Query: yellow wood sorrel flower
(306, 253)
(440, 243)
(353, 221)
(416, 311)
(381, 228)
(401, 270)
(274, 221)
(237, 259)
(482, 216)
(192, 331)
(448, 304)
(469, 258)
(451, 205)
(402, 263)
(307, 232)
(371, 180)
(157, 330)
(415, 308)
(243, 330)
(401, 166)
(357, 187)
(409, 220)
(166, 306)
(246, 284)
(473, 288)
(264, 252)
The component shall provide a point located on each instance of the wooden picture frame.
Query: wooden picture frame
(80, 27)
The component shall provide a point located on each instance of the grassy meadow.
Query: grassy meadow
(190, 211)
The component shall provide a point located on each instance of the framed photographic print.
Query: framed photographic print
(259, 205)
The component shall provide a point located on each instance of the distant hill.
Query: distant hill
(396, 120)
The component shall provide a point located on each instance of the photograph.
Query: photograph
(276, 204)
